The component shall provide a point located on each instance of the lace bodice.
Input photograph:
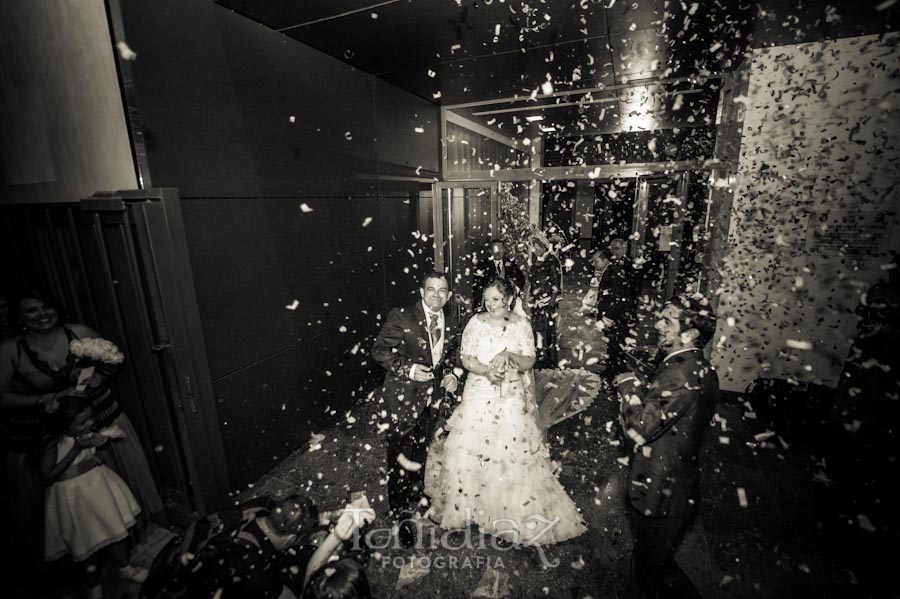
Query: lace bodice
(484, 341)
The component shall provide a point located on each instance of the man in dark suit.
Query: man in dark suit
(615, 307)
(666, 419)
(618, 247)
(418, 347)
(495, 265)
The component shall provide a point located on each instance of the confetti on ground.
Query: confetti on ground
(304, 207)
(493, 584)
(742, 497)
(293, 305)
(798, 344)
(417, 567)
(315, 441)
(865, 523)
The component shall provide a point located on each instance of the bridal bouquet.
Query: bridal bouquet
(94, 352)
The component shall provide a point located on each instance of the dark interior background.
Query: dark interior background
(318, 210)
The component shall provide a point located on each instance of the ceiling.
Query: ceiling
(519, 54)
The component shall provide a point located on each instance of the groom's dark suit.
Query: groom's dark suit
(402, 342)
(667, 426)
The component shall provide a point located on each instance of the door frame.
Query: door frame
(179, 344)
(457, 189)
(641, 220)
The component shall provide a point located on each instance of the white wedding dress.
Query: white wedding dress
(493, 469)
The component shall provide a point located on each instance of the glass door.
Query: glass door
(659, 217)
(465, 221)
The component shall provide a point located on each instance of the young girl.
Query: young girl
(88, 507)
(343, 579)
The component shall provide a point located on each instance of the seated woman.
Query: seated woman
(37, 368)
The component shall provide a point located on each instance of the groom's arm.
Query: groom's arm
(648, 411)
(387, 347)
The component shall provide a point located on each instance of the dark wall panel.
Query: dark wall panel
(216, 94)
(319, 211)
(407, 253)
(275, 369)
(269, 411)
(253, 257)
(408, 133)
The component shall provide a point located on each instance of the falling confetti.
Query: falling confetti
(125, 53)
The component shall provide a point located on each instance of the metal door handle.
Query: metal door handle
(190, 393)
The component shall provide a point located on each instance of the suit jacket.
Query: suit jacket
(615, 299)
(487, 270)
(402, 342)
(667, 427)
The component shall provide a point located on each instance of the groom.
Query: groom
(666, 417)
(416, 345)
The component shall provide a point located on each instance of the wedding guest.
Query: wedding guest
(544, 285)
(343, 579)
(37, 368)
(262, 549)
(666, 418)
(417, 348)
(496, 265)
(618, 247)
(88, 508)
(614, 308)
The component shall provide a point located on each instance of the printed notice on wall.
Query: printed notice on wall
(849, 231)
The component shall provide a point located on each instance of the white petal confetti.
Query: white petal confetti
(125, 52)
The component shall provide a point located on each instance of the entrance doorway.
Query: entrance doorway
(465, 221)
(663, 216)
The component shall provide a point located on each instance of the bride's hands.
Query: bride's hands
(500, 361)
(497, 367)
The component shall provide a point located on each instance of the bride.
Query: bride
(494, 469)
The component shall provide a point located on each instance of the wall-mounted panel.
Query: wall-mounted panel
(818, 160)
(230, 108)
(63, 133)
(254, 257)
(408, 133)
(267, 412)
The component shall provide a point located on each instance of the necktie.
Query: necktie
(499, 265)
(433, 329)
